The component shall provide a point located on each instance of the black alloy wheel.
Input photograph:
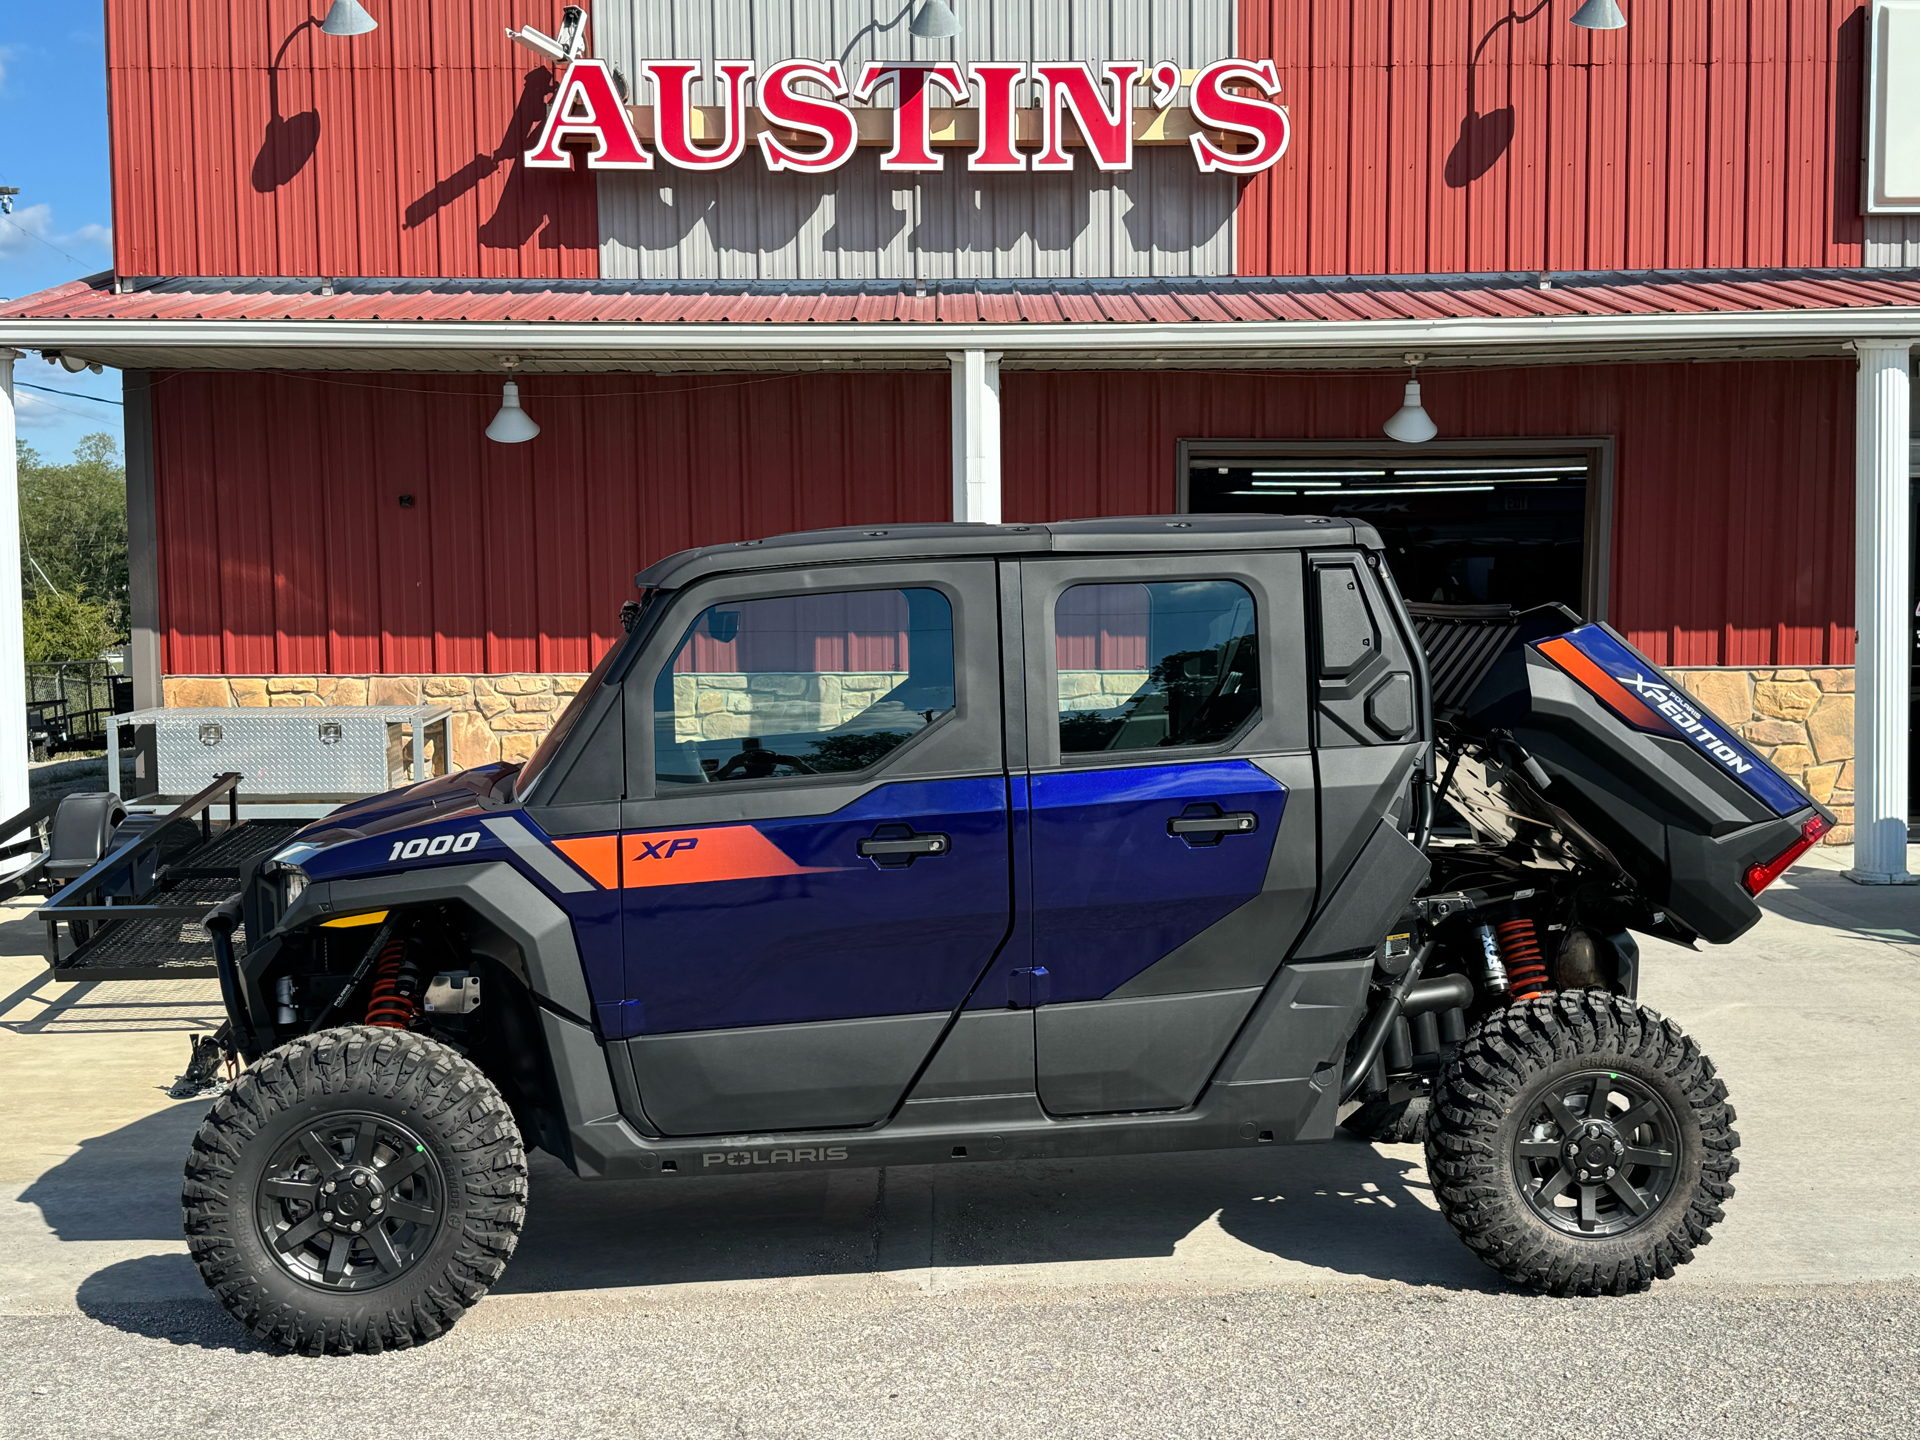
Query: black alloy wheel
(351, 1202)
(1596, 1153)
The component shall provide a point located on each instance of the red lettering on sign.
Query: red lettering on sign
(995, 149)
(911, 150)
(674, 113)
(1107, 129)
(828, 122)
(1260, 120)
(588, 107)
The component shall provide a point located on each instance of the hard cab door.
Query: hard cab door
(1170, 804)
(818, 873)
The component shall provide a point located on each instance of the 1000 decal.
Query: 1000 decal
(438, 846)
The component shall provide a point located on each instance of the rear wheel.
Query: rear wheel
(1581, 1144)
(355, 1190)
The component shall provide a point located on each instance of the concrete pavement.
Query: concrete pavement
(1023, 1298)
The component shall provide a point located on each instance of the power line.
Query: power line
(8, 220)
(70, 394)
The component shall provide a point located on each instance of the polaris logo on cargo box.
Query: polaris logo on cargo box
(1662, 698)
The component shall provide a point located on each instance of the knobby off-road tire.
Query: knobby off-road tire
(355, 1190)
(1392, 1123)
(1647, 1118)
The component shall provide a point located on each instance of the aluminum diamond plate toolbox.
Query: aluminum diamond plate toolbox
(305, 752)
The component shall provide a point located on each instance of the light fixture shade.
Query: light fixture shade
(511, 425)
(935, 20)
(1411, 424)
(347, 18)
(1599, 15)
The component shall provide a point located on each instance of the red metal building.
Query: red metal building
(1641, 269)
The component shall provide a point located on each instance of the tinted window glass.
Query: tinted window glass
(802, 685)
(1144, 666)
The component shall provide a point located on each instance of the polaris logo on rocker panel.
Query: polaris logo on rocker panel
(780, 1157)
(1661, 697)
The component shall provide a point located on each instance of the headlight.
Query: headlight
(290, 881)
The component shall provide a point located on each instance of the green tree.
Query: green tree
(73, 540)
(67, 627)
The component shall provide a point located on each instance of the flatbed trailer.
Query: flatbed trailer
(139, 912)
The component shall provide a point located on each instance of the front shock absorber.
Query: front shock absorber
(395, 1002)
(1521, 952)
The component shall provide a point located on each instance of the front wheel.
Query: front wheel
(355, 1190)
(1581, 1145)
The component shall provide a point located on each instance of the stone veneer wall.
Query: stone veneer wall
(1801, 720)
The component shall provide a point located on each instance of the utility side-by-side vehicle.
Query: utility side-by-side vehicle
(942, 845)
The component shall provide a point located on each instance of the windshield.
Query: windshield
(536, 763)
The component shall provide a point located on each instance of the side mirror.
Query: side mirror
(723, 625)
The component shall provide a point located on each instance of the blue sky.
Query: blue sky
(53, 117)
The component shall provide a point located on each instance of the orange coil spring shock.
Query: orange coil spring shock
(1526, 972)
(396, 983)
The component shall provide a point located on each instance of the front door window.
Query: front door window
(802, 685)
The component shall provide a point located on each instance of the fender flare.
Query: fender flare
(495, 891)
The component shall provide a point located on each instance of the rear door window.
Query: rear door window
(792, 686)
(1155, 665)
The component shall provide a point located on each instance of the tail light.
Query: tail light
(1759, 878)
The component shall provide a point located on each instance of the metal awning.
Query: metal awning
(554, 325)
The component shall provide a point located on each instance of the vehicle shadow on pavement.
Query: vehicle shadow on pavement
(1302, 1215)
(1291, 1214)
(1829, 899)
(123, 1185)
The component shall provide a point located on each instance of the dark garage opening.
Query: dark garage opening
(1460, 528)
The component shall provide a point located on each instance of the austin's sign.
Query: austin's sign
(803, 119)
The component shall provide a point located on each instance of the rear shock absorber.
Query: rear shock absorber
(395, 1001)
(1493, 968)
(1521, 951)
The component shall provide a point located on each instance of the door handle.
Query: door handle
(1206, 828)
(902, 845)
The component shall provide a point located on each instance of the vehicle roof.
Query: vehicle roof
(951, 540)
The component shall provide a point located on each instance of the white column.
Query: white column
(977, 435)
(13, 654)
(1884, 626)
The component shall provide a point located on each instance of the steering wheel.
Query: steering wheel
(758, 764)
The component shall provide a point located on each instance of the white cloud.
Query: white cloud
(6, 58)
(34, 223)
(30, 412)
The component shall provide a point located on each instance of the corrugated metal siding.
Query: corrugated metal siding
(1893, 242)
(1734, 493)
(393, 153)
(284, 548)
(1453, 135)
(1162, 218)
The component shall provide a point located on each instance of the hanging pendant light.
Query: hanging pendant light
(511, 425)
(935, 20)
(1599, 15)
(347, 18)
(1411, 424)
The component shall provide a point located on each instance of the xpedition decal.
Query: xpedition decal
(1634, 688)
